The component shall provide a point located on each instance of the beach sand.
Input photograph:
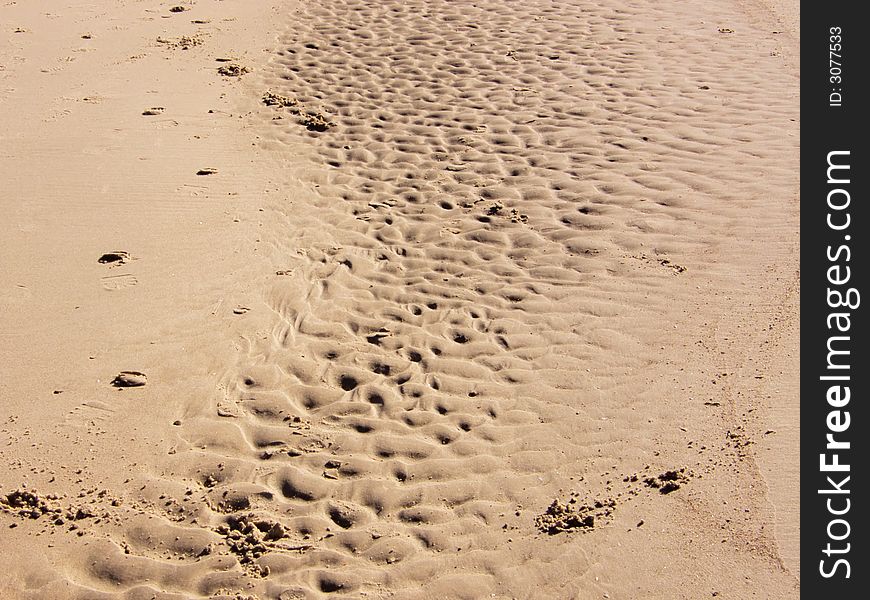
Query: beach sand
(391, 299)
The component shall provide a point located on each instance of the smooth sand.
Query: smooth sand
(489, 300)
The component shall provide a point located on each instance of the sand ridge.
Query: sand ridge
(487, 345)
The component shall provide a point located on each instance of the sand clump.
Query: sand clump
(29, 504)
(312, 120)
(233, 70)
(573, 515)
(56, 511)
(583, 514)
(667, 482)
(184, 42)
(273, 99)
(315, 121)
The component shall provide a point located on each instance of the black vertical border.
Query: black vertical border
(828, 128)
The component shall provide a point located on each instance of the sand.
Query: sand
(395, 299)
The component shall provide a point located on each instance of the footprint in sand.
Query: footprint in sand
(118, 282)
(89, 413)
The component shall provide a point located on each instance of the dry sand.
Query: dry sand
(480, 300)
